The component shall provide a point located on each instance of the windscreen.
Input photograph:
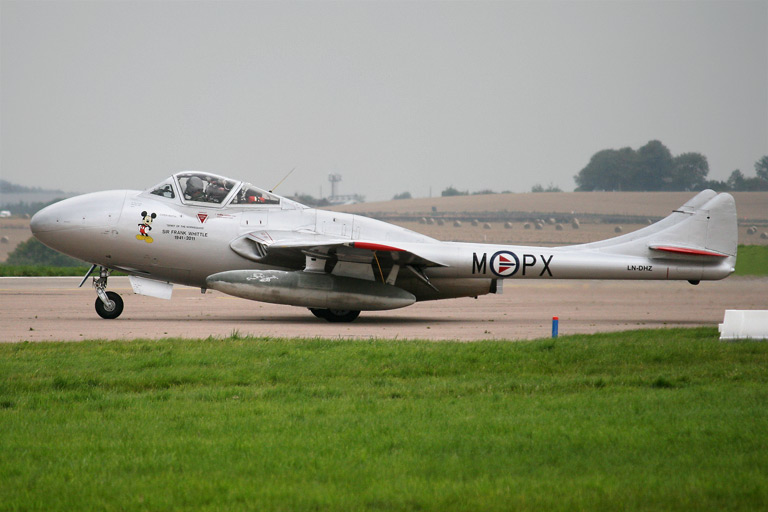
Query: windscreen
(164, 189)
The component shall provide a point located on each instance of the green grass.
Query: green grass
(41, 270)
(752, 260)
(646, 420)
(47, 271)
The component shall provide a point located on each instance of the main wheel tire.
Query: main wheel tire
(110, 312)
(335, 315)
(341, 315)
(319, 313)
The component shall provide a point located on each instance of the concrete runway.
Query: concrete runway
(54, 309)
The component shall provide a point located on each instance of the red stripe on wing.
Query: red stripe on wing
(375, 247)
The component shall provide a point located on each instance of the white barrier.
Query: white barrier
(744, 324)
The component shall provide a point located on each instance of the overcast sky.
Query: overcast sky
(395, 96)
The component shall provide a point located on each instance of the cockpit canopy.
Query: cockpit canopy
(206, 189)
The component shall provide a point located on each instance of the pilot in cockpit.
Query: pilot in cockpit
(195, 190)
(217, 190)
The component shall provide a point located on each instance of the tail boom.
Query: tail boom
(696, 242)
(521, 262)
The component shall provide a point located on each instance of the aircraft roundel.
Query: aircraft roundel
(504, 263)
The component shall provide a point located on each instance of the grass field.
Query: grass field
(41, 271)
(645, 420)
(752, 260)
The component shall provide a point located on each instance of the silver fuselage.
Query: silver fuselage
(165, 239)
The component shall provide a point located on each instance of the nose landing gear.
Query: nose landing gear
(108, 304)
(111, 307)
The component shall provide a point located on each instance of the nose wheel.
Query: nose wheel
(111, 308)
(108, 304)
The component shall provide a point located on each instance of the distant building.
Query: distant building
(338, 199)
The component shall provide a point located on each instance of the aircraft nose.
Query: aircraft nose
(46, 219)
(69, 225)
(95, 210)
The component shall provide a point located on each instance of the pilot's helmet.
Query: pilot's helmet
(194, 184)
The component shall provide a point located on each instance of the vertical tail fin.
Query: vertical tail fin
(705, 226)
(710, 230)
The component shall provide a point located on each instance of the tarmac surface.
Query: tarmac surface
(54, 309)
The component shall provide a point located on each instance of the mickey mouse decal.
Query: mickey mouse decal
(144, 225)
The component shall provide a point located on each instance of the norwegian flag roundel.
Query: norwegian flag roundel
(504, 263)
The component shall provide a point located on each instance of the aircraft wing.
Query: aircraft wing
(290, 249)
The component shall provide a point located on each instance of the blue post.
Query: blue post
(555, 321)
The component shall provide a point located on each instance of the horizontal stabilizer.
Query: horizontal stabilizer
(688, 251)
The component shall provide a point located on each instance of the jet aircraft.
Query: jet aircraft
(209, 231)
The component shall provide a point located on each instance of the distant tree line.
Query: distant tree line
(33, 252)
(6, 187)
(24, 208)
(452, 191)
(737, 180)
(309, 200)
(652, 167)
(549, 188)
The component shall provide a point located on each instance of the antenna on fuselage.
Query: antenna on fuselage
(282, 180)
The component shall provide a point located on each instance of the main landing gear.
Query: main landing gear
(335, 315)
(108, 304)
